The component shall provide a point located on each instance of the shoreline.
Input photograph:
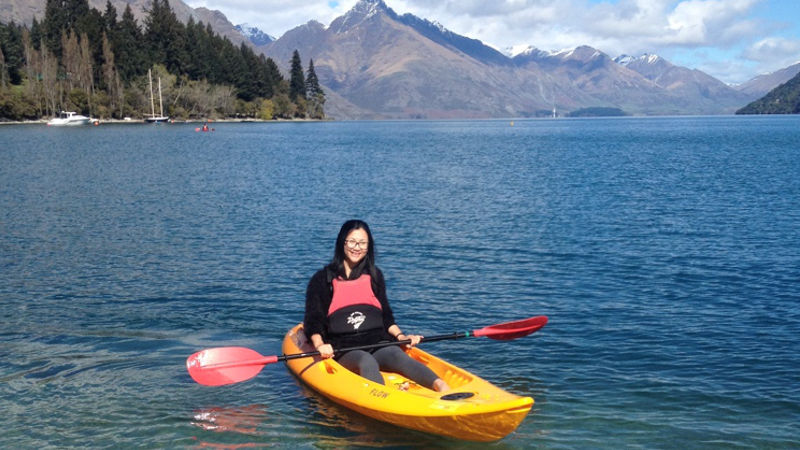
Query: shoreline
(175, 122)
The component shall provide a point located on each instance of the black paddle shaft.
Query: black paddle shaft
(441, 337)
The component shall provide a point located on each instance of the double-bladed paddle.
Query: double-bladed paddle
(227, 365)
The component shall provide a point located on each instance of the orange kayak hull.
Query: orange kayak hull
(473, 410)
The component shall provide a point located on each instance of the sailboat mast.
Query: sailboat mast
(160, 105)
(152, 105)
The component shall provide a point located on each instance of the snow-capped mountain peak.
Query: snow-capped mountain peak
(363, 10)
(255, 35)
(646, 58)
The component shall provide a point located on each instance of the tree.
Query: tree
(248, 84)
(11, 54)
(297, 84)
(3, 69)
(272, 74)
(314, 94)
(116, 93)
(282, 106)
(126, 43)
(60, 16)
(110, 16)
(70, 57)
(267, 110)
(166, 37)
(79, 57)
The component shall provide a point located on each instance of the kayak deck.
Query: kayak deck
(473, 409)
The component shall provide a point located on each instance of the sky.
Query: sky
(732, 40)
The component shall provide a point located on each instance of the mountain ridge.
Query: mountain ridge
(784, 99)
(375, 63)
(395, 66)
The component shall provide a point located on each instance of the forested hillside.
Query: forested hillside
(96, 63)
(784, 99)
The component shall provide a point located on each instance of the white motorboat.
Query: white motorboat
(69, 118)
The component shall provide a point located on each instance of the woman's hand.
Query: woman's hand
(414, 338)
(325, 351)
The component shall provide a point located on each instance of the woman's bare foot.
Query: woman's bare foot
(440, 386)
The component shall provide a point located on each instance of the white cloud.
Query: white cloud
(774, 53)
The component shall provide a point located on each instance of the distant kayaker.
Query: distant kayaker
(346, 306)
(205, 127)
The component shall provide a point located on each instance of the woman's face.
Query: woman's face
(355, 246)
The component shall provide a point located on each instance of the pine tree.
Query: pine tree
(166, 37)
(110, 16)
(3, 68)
(297, 84)
(12, 53)
(247, 83)
(314, 93)
(126, 43)
(59, 16)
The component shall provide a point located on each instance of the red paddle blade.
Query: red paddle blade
(512, 330)
(226, 365)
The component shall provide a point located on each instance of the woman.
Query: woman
(346, 306)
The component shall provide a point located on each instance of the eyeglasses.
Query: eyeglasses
(351, 244)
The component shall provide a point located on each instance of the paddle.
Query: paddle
(227, 365)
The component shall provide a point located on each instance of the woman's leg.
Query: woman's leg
(394, 359)
(362, 363)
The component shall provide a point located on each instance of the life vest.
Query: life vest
(354, 307)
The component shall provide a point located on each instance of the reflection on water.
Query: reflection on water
(240, 419)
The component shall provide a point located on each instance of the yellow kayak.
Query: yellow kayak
(473, 409)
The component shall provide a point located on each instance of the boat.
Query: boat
(69, 118)
(153, 118)
(473, 409)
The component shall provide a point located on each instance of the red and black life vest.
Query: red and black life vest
(354, 307)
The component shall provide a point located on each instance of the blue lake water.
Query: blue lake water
(665, 251)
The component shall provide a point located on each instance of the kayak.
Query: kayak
(473, 409)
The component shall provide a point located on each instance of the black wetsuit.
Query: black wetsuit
(368, 364)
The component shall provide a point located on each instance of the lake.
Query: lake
(665, 252)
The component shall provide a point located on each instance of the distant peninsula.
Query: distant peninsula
(784, 99)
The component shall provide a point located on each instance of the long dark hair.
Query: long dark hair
(367, 265)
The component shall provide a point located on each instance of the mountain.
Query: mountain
(784, 99)
(254, 35)
(374, 63)
(385, 68)
(24, 11)
(762, 84)
(685, 83)
(600, 81)
(391, 66)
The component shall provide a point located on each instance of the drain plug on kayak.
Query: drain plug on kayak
(457, 396)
